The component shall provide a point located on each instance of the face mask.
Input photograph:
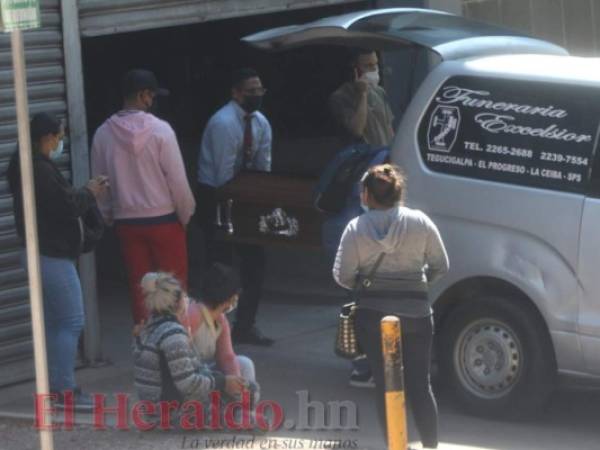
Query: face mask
(231, 307)
(371, 77)
(148, 100)
(57, 152)
(252, 103)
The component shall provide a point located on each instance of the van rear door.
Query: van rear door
(450, 36)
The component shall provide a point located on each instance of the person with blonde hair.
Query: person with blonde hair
(166, 367)
(402, 252)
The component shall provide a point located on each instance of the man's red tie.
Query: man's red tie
(247, 146)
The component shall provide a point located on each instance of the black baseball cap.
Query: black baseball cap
(137, 80)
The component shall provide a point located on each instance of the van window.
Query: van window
(520, 132)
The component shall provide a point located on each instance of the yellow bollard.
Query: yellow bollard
(395, 404)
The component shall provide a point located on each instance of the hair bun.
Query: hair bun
(385, 185)
(149, 282)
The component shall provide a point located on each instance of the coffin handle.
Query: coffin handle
(218, 222)
(228, 215)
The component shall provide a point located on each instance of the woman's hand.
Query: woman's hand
(137, 328)
(98, 185)
(234, 385)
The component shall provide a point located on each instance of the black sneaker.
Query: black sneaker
(252, 336)
(361, 379)
(81, 401)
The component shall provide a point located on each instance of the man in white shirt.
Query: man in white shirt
(237, 137)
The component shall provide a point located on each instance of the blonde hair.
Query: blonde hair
(162, 292)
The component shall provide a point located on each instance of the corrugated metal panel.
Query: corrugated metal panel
(101, 17)
(46, 85)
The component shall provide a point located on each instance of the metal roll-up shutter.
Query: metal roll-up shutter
(46, 86)
(102, 17)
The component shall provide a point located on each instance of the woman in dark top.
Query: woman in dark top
(59, 208)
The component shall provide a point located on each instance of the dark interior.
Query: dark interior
(194, 62)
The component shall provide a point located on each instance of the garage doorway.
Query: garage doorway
(194, 62)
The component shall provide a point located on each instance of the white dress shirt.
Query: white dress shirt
(221, 151)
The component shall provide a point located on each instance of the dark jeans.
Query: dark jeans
(252, 258)
(417, 339)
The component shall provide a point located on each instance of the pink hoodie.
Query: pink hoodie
(140, 155)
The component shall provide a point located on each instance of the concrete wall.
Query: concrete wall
(572, 24)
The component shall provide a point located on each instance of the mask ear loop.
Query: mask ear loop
(234, 306)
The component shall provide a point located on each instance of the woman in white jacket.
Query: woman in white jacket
(412, 255)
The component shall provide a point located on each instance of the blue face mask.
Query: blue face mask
(58, 151)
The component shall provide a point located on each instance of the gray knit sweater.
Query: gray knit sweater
(167, 368)
(414, 256)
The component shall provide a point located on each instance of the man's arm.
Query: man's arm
(215, 149)
(171, 163)
(262, 159)
(351, 112)
(389, 114)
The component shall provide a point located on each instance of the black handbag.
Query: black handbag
(346, 342)
(91, 227)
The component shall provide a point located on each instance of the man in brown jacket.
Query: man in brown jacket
(361, 106)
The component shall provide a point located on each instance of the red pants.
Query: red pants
(150, 248)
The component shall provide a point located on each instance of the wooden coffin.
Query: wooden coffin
(268, 209)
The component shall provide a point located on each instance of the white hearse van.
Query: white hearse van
(500, 147)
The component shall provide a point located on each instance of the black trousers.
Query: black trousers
(252, 258)
(417, 339)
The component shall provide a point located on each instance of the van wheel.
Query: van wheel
(496, 358)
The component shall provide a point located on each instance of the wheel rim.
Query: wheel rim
(488, 358)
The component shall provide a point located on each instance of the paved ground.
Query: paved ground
(302, 317)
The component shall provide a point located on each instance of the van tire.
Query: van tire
(496, 358)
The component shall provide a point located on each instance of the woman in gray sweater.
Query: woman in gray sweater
(166, 367)
(411, 255)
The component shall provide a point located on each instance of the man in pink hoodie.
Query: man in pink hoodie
(150, 201)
